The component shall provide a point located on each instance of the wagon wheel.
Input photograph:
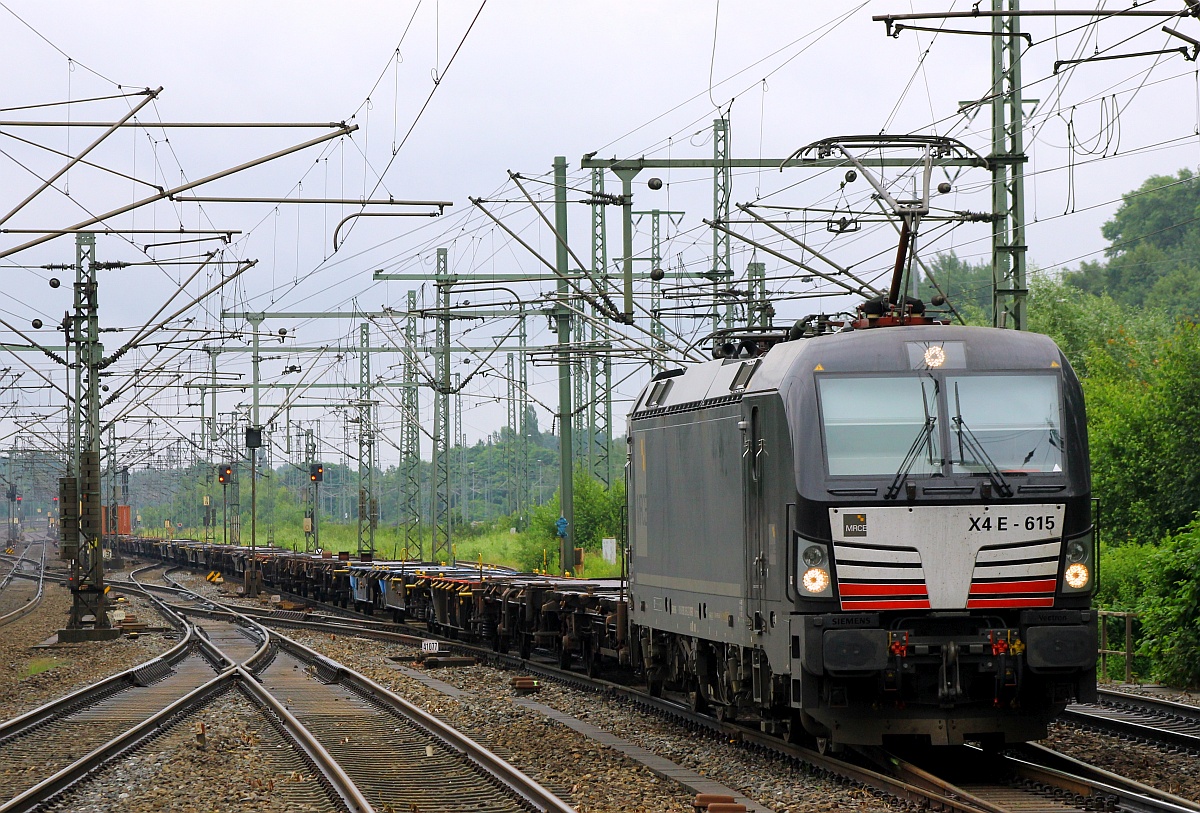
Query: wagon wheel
(591, 660)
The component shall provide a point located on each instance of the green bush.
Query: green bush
(597, 515)
(1122, 573)
(1170, 608)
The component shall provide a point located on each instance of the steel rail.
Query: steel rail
(1131, 796)
(1078, 778)
(879, 782)
(513, 779)
(340, 782)
(915, 787)
(1150, 705)
(1124, 715)
(333, 777)
(1049, 758)
(140, 675)
(261, 657)
(36, 796)
(32, 604)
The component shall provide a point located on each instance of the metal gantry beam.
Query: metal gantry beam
(441, 549)
(89, 605)
(1009, 290)
(368, 503)
(410, 439)
(566, 560)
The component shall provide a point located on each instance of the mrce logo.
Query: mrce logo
(854, 525)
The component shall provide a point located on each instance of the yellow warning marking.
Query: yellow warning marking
(1054, 364)
(642, 448)
(106, 589)
(818, 368)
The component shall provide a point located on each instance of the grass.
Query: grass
(38, 665)
(495, 547)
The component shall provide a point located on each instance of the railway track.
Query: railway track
(328, 714)
(1140, 718)
(1028, 778)
(20, 596)
(51, 747)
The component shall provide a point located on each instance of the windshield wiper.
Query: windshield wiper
(967, 438)
(910, 459)
(918, 445)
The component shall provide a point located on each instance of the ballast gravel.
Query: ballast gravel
(236, 762)
(595, 777)
(31, 676)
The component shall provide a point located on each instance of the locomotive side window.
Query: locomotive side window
(1012, 419)
(871, 423)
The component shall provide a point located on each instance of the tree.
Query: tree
(1154, 242)
(598, 513)
(1170, 608)
(968, 286)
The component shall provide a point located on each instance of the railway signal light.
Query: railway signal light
(225, 474)
(316, 472)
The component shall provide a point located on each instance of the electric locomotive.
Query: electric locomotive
(868, 533)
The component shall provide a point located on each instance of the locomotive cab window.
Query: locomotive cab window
(871, 424)
(1013, 421)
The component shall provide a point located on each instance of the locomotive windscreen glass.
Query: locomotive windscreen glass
(1014, 419)
(871, 424)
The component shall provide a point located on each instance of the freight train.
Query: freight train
(860, 534)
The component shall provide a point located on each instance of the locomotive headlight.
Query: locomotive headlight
(1080, 556)
(815, 579)
(814, 556)
(1077, 576)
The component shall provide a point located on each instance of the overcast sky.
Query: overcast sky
(447, 99)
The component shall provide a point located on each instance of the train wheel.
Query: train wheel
(698, 702)
(564, 658)
(827, 747)
(654, 686)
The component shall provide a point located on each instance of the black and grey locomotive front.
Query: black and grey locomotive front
(868, 534)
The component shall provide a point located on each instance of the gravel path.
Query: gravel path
(240, 764)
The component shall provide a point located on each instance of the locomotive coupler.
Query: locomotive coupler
(949, 680)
